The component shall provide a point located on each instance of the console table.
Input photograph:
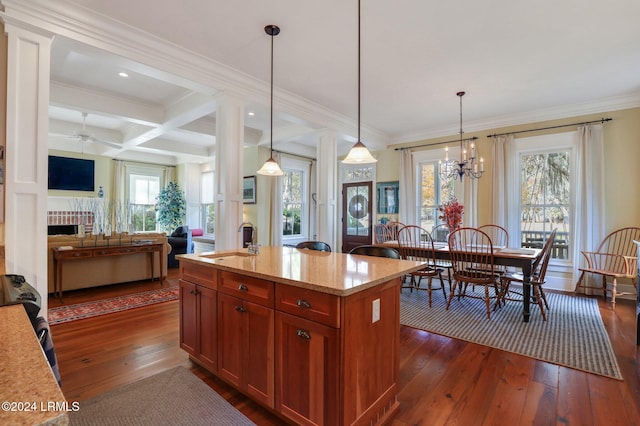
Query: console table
(61, 255)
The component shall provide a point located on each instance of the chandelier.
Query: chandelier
(467, 165)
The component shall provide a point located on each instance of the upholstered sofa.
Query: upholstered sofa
(107, 269)
(181, 242)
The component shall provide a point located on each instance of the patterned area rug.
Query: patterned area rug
(68, 313)
(174, 397)
(573, 335)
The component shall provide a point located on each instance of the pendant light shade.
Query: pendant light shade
(359, 154)
(271, 167)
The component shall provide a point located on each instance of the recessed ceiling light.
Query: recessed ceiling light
(123, 74)
(251, 113)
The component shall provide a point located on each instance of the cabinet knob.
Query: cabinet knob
(241, 309)
(303, 334)
(303, 304)
(243, 287)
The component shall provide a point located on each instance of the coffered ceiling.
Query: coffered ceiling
(519, 62)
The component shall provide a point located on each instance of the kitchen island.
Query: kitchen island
(313, 336)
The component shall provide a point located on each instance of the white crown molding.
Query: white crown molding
(603, 105)
(73, 21)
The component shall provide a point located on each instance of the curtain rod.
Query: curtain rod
(144, 162)
(295, 155)
(434, 144)
(602, 120)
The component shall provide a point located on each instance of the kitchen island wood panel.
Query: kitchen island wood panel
(328, 322)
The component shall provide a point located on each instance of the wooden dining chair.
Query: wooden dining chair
(471, 253)
(539, 271)
(415, 243)
(500, 239)
(440, 234)
(377, 251)
(394, 229)
(314, 245)
(382, 233)
(615, 257)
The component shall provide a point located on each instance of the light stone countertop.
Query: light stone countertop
(336, 273)
(26, 378)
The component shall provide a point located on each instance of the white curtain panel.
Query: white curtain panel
(119, 181)
(470, 202)
(275, 206)
(503, 196)
(407, 196)
(589, 218)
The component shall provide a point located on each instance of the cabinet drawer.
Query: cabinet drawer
(316, 306)
(68, 255)
(247, 288)
(199, 274)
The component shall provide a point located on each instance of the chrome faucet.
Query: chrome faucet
(253, 247)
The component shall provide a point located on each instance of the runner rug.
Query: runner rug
(174, 397)
(61, 314)
(573, 335)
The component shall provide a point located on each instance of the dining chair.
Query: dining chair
(539, 271)
(471, 253)
(499, 235)
(370, 250)
(394, 229)
(500, 239)
(440, 234)
(615, 257)
(381, 233)
(415, 243)
(314, 245)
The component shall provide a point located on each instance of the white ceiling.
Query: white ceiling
(518, 62)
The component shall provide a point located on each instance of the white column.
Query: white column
(229, 171)
(327, 181)
(28, 62)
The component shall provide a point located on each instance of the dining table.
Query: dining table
(522, 258)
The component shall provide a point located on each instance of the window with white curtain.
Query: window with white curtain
(144, 184)
(207, 203)
(433, 190)
(295, 203)
(545, 166)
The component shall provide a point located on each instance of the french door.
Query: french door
(356, 215)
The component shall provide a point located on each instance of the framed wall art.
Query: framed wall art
(387, 197)
(249, 190)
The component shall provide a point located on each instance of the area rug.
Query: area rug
(573, 335)
(174, 397)
(78, 311)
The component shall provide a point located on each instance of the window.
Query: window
(433, 191)
(292, 202)
(207, 203)
(143, 191)
(545, 168)
(143, 184)
(295, 207)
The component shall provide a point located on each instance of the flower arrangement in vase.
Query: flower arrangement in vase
(452, 212)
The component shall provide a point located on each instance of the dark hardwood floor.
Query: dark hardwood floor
(442, 380)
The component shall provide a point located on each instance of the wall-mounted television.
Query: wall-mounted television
(71, 174)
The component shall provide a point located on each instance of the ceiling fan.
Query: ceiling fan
(84, 136)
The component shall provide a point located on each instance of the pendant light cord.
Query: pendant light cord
(271, 124)
(359, 71)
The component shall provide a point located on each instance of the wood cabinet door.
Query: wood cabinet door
(306, 370)
(207, 328)
(188, 317)
(259, 375)
(231, 351)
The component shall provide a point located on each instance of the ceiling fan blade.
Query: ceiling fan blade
(107, 143)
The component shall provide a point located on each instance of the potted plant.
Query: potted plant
(171, 207)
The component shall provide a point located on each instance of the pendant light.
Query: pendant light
(271, 167)
(359, 153)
